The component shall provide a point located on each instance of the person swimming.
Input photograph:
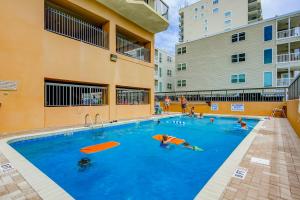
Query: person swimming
(244, 125)
(200, 116)
(166, 141)
(84, 163)
(194, 148)
(212, 120)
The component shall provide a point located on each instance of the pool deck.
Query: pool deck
(273, 140)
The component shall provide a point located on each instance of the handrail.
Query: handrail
(85, 120)
(96, 117)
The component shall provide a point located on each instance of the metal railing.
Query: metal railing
(126, 96)
(61, 23)
(284, 82)
(294, 89)
(159, 6)
(294, 32)
(65, 94)
(249, 95)
(131, 49)
(292, 57)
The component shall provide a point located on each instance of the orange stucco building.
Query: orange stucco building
(64, 59)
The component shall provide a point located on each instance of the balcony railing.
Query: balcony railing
(132, 49)
(160, 7)
(294, 32)
(284, 82)
(64, 24)
(293, 57)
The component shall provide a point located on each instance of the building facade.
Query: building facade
(164, 73)
(207, 17)
(258, 55)
(70, 61)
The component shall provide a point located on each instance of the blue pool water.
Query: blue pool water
(139, 168)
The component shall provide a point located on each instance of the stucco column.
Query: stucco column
(110, 28)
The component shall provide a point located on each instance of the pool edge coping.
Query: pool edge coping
(217, 184)
(49, 190)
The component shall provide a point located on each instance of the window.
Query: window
(58, 94)
(242, 57)
(160, 57)
(183, 50)
(268, 57)
(160, 72)
(238, 78)
(234, 58)
(169, 86)
(234, 38)
(238, 58)
(169, 59)
(215, 10)
(238, 37)
(205, 28)
(128, 96)
(268, 33)
(227, 14)
(156, 53)
(169, 72)
(195, 13)
(202, 7)
(215, 1)
(156, 69)
(268, 79)
(160, 86)
(181, 83)
(227, 22)
(181, 67)
(242, 36)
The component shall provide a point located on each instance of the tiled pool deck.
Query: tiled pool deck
(275, 140)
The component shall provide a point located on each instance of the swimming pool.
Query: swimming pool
(139, 168)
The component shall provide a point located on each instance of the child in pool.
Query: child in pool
(194, 148)
(166, 140)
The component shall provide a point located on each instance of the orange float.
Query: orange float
(99, 147)
(176, 141)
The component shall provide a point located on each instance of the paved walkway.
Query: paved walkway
(276, 142)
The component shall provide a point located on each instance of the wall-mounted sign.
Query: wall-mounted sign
(214, 107)
(237, 107)
(8, 85)
(113, 57)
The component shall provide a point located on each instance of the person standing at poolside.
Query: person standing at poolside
(183, 103)
(167, 104)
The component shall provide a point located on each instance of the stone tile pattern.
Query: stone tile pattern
(278, 143)
(14, 187)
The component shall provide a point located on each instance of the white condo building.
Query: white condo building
(208, 17)
(164, 71)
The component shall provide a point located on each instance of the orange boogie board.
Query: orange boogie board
(176, 141)
(99, 147)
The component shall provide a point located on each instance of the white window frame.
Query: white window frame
(180, 68)
(229, 11)
(238, 82)
(215, 10)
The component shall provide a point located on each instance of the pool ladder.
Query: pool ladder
(86, 120)
(96, 121)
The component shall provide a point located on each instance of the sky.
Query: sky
(166, 40)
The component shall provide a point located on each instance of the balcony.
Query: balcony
(131, 45)
(151, 15)
(59, 21)
(292, 57)
(288, 27)
(284, 82)
(294, 32)
(254, 11)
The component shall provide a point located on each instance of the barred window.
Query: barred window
(127, 96)
(68, 94)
